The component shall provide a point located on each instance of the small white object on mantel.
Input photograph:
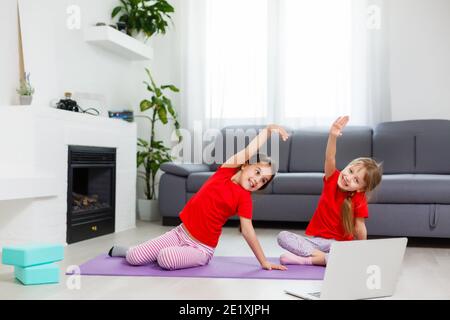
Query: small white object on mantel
(118, 42)
(34, 144)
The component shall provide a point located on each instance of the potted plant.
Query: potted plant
(144, 16)
(152, 153)
(25, 90)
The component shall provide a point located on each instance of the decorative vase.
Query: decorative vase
(148, 210)
(25, 100)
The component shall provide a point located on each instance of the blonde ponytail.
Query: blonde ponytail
(372, 179)
(348, 220)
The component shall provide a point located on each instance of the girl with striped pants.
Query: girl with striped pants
(226, 193)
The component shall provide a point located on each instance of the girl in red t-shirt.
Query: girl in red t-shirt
(226, 193)
(342, 208)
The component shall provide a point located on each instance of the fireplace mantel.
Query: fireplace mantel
(17, 187)
(33, 169)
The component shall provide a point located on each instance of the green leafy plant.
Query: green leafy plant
(148, 16)
(152, 153)
(25, 88)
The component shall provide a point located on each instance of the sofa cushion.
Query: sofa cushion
(413, 146)
(235, 138)
(433, 153)
(183, 169)
(196, 180)
(309, 183)
(396, 151)
(308, 148)
(413, 188)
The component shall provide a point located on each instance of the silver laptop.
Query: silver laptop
(360, 270)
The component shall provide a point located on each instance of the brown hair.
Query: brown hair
(372, 179)
(263, 158)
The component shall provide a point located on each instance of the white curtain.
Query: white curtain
(293, 62)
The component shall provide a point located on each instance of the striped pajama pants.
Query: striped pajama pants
(173, 250)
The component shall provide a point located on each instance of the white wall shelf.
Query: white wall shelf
(118, 42)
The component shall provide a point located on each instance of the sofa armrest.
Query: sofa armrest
(183, 169)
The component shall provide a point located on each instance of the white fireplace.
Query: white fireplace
(34, 164)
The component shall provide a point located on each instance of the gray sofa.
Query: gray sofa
(413, 199)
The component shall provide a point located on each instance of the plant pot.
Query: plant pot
(141, 37)
(25, 100)
(148, 210)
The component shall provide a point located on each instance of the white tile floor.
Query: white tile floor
(425, 274)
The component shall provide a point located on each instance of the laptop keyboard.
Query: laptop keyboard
(315, 294)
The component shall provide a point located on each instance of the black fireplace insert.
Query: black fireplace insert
(91, 192)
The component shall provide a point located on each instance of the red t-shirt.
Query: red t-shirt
(327, 221)
(216, 201)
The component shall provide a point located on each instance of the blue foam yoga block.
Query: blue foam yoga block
(40, 274)
(31, 255)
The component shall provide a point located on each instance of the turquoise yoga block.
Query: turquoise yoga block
(41, 274)
(31, 255)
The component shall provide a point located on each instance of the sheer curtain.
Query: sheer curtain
(293, 62)
(315, 61)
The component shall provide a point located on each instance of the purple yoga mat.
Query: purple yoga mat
(218, 267)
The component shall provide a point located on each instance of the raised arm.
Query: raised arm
(242, 156)
(330, 153)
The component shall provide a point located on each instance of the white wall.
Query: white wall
(60, 60)
(420, 59)
(9, 57)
